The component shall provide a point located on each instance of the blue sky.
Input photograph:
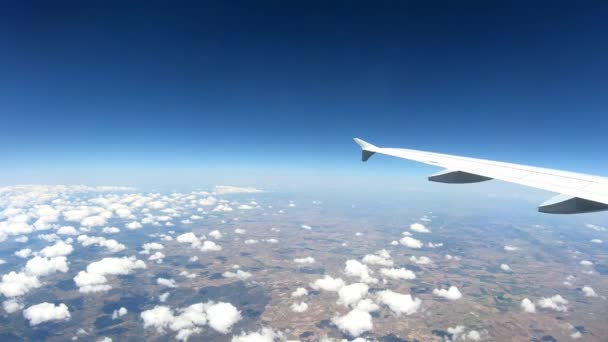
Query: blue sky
(104, 92)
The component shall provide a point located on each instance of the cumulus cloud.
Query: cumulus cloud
(557, 303)
(505, 267)
(94, 279)
(251, 241)
(147, 247)
(67, 230)
(328, 283)
(596, 241)
(45, 312)
(241, 275)
(111, 245)
(119, 313)
(264, 335)
(222, 316)
(299, 292)
(216, 234)
(42, 266)
(305, 226)
(452, 293)
(240, 231)
(190, 238)
(133, 225)
(12, 305)
(586, 263)
(58, 249)
(306, 260)
(398, 273)
(210, 246)
(410, 242)
(15, 284)
(94, 221)
(588, 291)
(354, 268)
(510, 248)
(299, 307)
(419, 228)
(110, 230)
(528, 306)
(421, 260)
(166, 282)
(381, 258)
(350, 295)
(399, 303)
(355, 322)
(23, 253)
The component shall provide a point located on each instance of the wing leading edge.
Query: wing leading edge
(578, 193)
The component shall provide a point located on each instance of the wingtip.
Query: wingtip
(364, 144)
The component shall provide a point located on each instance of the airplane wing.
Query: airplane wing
(577, 192)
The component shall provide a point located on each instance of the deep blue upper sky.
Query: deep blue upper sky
(253, 85)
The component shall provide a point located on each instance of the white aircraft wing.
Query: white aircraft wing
(578, 193)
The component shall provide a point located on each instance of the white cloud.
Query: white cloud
(189, 238)
(355, 322)
(119, 313)
(210, 246)
(223, 208)
(158, 257)
(94, 221)
(264, 335)
(133, 225)
(58, 249)
(41, 266)
(299, 307)
(240, 231)
(350, 295)
(166, 282)
(510, 248)
(22, 239)
(586, 263)
(305, 226)
(216, 234)
(421, 260)
(94, 278)
(45, 312)
(251, 241)
(557, 303)
(112, 246)
(589, 292)
(452, 293)
(299, 292)
(306, 260)
(419, 228)
(596, 241)
(67, 230)
(245, 207)
(398, 273)
(368, 305)
(23, 253)
(110, 230)
(147, 247)
(411, 242)
(15, 284)
(328, 283)
(354, 268)
(399, 303)
(382, 258)
(222, 316)
(12, 306)
(241, 275)
(528, 306)
(505, 267)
